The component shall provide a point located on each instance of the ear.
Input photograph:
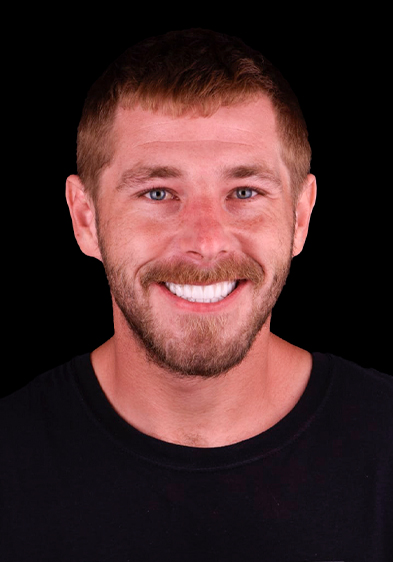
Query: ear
(304, 206)
(82, 212)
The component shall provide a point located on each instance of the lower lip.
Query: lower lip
(203, 306)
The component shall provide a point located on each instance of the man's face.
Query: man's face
(195, 225)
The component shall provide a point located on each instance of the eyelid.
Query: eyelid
(170, 195)
(256, 190)
(165, 189)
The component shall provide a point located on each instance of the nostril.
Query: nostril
(195, 254)
(205, 255)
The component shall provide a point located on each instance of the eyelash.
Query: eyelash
(167, 191)
(163, 190)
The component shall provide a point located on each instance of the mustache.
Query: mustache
(186, 273)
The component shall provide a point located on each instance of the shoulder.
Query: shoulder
(359, 400)
(40, 399)
(362, 381)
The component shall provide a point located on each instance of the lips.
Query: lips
(202, 293)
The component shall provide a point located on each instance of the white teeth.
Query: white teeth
(202, 293)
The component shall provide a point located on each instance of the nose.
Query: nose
(205, 232)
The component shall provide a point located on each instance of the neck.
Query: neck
(199, 412)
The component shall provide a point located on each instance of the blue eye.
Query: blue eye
(156, 194)
(244, 192)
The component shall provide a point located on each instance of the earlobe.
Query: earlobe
(82, 213)
(304, 207)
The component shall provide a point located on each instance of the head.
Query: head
(194, 192)
(187, 72)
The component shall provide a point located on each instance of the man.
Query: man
(194, 432)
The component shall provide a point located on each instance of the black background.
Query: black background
(337, 298)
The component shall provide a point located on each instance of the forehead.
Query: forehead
(241, 135)
(248, 119)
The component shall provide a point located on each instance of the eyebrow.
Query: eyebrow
(257, 171)
(141, 174)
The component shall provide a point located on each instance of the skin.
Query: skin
(200, 218)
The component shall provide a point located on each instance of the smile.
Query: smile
(203, 293)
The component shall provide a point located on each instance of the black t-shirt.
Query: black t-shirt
(78, 483)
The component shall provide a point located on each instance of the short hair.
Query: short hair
(193, 71)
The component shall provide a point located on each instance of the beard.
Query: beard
(198, 345)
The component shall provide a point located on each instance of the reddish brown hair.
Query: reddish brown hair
(187, 72)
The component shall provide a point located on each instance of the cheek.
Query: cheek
(137, 237)
(134, 241)
(268, 235)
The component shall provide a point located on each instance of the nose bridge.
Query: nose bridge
(205, 230)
